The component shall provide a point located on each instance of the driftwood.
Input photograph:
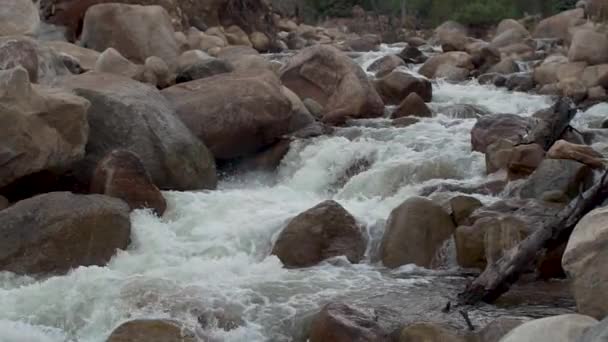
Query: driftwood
(551, 123)
(498, 277)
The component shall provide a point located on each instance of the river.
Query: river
(210, 252)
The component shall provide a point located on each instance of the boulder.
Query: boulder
(595, 75)
(405, 121)
(524, 160)
(570, 71)
(456, 59)
(430, 332)
(498, 154)
(452, 73)
(498, 328)
(260, 41)
(322, 232)
(301, 117)
(14, 53)
(510, 24)
(40, 128)
(558, 26)
(86, 58)
(452, 40)
(339, 322)
(121, 174)
(411, 54)
(235, 114)
(564, 328)
(597, 333)
(395, 87)
(201, 69)
(313, 107)
(208, 42)
(585, 263)
(562, 149)
(112, 62)
(236, 36)
(335, 81)
(509, 37)
(413, 105)
(156, 72)
(414, 232)
(126, 114)
(137, 32)
(567, 176)
(589, 46)
(546, 73)
(504, 67)
(55, 232)
(521, 81)
(462, 207)
(368, 42)
(152, 330)
(385, 65)
(18, 17)
(490, 128)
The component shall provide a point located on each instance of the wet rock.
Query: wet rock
(430, 332)
(498, 328)
(322, 232)
(267, 160)
(14, 53)
(121, 174)
(452, 40)
(462, 207)
(463, 111)
(589, 46)
(86, 57)
(368, 42)
(40, 128)
(597, 93)
(564, 328)
(137, 32)
(126, 114)
(18, 17)
(585, 263)
(112, 62)
(506, 66)
(491, 128)
(558, 26)
(581, 153)
(313, 107)
(236, 36)
(521, 81)
(455, 59)
(260, 41)
(234, 114)
(492, 78)
(395, 87)
(413, 105)
(157, 72)
(597, 333)
(405, 121)
(524, 160)
(55, 232)
(202, 69)
(301, 117)
(415, 41)
(335, 81)
(573, 89)
(568, 176)
(415, 231)
(498, 155)
(343, 323)
(452, 73)
(411, 54)
(152, 330)
(385, 65)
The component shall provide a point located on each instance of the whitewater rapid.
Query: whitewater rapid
(210, 252)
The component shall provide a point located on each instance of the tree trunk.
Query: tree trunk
(498, 277)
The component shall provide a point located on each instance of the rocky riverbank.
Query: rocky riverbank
(176, 171)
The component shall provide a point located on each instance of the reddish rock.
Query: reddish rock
(343, 323)
(396, 86)
(581, 153)
(413, 105)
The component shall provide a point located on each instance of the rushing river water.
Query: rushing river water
(209, 254)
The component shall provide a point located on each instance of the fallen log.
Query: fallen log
(499, 276)
(551, 123)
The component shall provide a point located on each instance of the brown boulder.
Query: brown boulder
(55, 232)
(456, 59)
(335, 81)
(524, 159)
(558, 26)
(368, 42)
(86, 57)
(322, 232)
(595, 75)
(260, 41)
(343, 323)
(40, 128)
(14, 53)
(547, 71)
(413, 105)
(137, 32)
(112, 62)
(491, 128)
(415, 231)
(510, 24)
(126, 114)
(386, 65)
(562, 149)
(589, 46)
(236, 114)
(151, 330)
(395, 87)
(568, 176)
(18, 17)
(236, 36)
(509, 37)
(121, 174)
(462, 207)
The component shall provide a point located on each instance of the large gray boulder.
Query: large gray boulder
(585, 262)
(18, 17)
(566, 176)
(129, 115)
(589, 46)
(489, 129)
(563, 328)
(137, 32)
(40, 128)
(55, 232)
(236, 114)
(559, 25)
(414, 232)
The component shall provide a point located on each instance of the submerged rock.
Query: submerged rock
(339, 322)
(152, 330)
(55, 232)
(322, 232)
(413, 105)
(415, 231)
